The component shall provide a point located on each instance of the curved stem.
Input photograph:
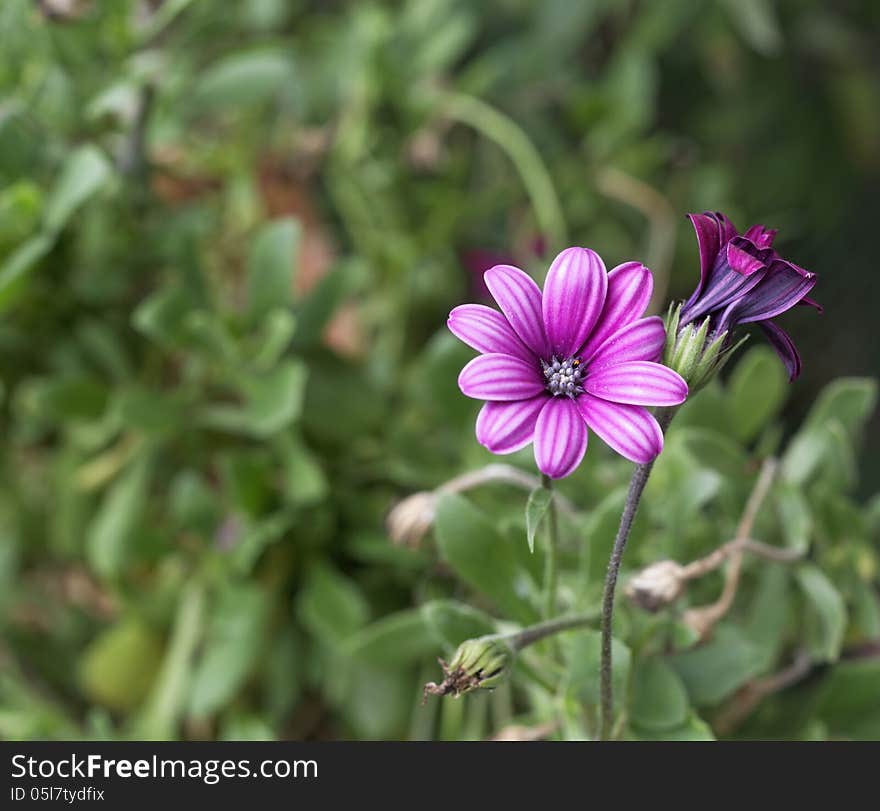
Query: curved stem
(551, 559)
(633, 496)
(522, 152)
(535, 633)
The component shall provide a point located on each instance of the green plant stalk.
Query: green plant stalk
(522, 153)
(535, 633)
(636, 488)
(551, 560)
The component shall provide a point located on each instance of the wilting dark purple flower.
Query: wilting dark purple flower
(743, 280)
(578, 355)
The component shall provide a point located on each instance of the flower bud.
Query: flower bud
(657, 585)
(410, 519)
(693, 351)
(481, 663)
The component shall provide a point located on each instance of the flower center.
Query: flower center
(564, 376)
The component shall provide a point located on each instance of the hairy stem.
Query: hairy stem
(633, 496)
(535, 633)
(551, 560)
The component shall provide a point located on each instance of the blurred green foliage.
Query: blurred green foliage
(229, 237)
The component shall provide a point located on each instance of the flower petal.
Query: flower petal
(761, 236)
(630, 286)
(781, 341)
(520, 300)
(574, 294)
(630, 430)
(780, 289)
(500, 377)
(642, 340)
(713, 232)
(560, 438)
(806, 301)
(486, 330)
(637, 382)
(725, 285)
(745, 258)
(507, 427)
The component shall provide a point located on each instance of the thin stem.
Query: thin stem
(535, 633)
(551, 564)
(704, 618)
(633, 496)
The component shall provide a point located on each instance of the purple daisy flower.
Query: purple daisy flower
(743, 280)
(578, 356)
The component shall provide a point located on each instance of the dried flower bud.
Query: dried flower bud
(410, 519)
(657, 585)
(481, 663)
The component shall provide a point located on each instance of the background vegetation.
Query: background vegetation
(229, 237)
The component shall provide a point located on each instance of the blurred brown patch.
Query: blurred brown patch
(287, 192)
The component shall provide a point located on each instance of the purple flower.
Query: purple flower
(578, 356)
(742, 280)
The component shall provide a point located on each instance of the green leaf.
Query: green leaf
(283, 674)
(15, 269)
(304, 478)
(242, 79)
(118, 666)
(479, 555)
(330, 605)
(272, 402)
(84, 172)
(659, 699)
(849, 699)
(758, 388)
(536, 509)
(234, 640)
(795, 517)
(694, 729)
(849, 400)
(826, 617)
(120, 513)
(399, 638)
(713, 449)
(451, 622)
(715, 670)
(583, 652)
(271, 267)
(770, 613)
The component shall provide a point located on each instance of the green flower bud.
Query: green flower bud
(693, 352)
(481, 663)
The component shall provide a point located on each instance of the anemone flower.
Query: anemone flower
(744, 280)
(578, 356)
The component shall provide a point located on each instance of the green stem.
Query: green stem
(551, 565)
(633, 496)
(535, 633)
(523, 154)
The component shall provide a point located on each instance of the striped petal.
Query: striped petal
(486, 330)
(500, 377)
(507, 427)
(630, 286)
(637, 382)
(713, 231)
(574, 295)
(642, 340)
(630, 430)
(520, 300)
(782, 287)
(560, 438)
